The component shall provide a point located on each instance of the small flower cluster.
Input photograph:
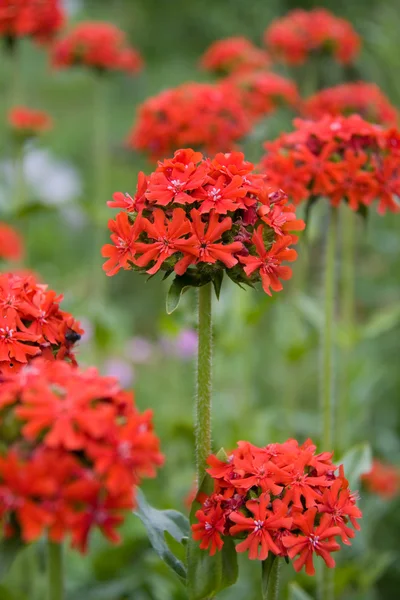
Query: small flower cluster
(27, 123)
(365, 99)
(74, 446)
(282, 498)
(383, 479)
(11, 244)
(32, 323)
(341, 158)
(97, 45)
(300, 33)
(209, 117)
(198, 217)
(234, 55)
(39, 19)
(263, 92)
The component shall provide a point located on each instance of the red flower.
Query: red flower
(126, 201)
(320, 540)
(100, 46)
(124, 236)
(11, 244)
(28, 123)
(300, 33)
(209, 529)
(383, 479)
(233, 55)
(40, 19)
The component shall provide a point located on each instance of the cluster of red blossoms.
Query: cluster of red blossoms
(283, 499)
(341, 158)
(209, 117)
(263, 92)
(27, 123)
(74, 447)
(383, 479)
(32, 323)
(11, 244)
(365, 99)
(40, 19)
(198, 216)
(300, 33)
(97, 45)
(234, 55)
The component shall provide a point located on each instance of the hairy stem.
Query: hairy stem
(270, 577)
(55, 571)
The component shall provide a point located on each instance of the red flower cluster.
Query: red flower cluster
(264, 92)
(198, 216)
(100, 46)
(76, 447)
(209, 117)
(365, 99)
(234, 55)
(294, 37)
(27, 123)
(383, 479)
(283, 499)
(11, 244)
(341, 158)
(32, 323)
(40, 19)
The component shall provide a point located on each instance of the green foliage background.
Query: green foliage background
(266, 360)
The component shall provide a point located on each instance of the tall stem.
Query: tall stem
(348, 318)
(19, 178)
(55, 571)
(15, 90)
(327, 345)
(204, 384)
(270, 577)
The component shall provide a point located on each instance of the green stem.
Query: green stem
(326, 580)
(19, 178)
(327, 374)
(204, 385)
(55, 571)
(348, 319)
(270, 569)
(15, 76)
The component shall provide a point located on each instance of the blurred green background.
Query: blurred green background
(266, 356)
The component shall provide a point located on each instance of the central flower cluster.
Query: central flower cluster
(74, 447)
(198, 216)
(282, 498)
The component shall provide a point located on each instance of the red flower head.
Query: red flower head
(341, 158)
(300, 33)
(263, 93)
(365, 99)
(209, 117)
(11, 244)
(282, 499)
(199, 217)
(76, 448)
(383, 479)
(39, 19)
(100, 46)
(234, 55)
(32, 323)
(27, 123)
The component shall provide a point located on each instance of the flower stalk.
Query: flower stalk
(270, 577)
(204, 380)
(55, 571)
(19, 178)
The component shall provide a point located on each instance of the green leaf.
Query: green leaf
(179, 285)
(356, 461)
(269, 576)
(157, 522)
(208, 575)
(9, 548)
(217, 282)
(297, 593)
(382, 322)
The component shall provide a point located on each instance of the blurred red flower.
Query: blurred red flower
(27, 123)
(40, 19)
(11, 243)
(234, 55)
(383, 479)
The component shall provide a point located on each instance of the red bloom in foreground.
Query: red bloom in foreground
(11, 244)
(28, 123)
(198, 217)
(32, 323)
(300, 33)
(39, 19)
(282, 499)
(76, 447)
(234, 55)
(341, 158)
(383, 479)
(365, 99)
(100, 46)
(209, 117)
